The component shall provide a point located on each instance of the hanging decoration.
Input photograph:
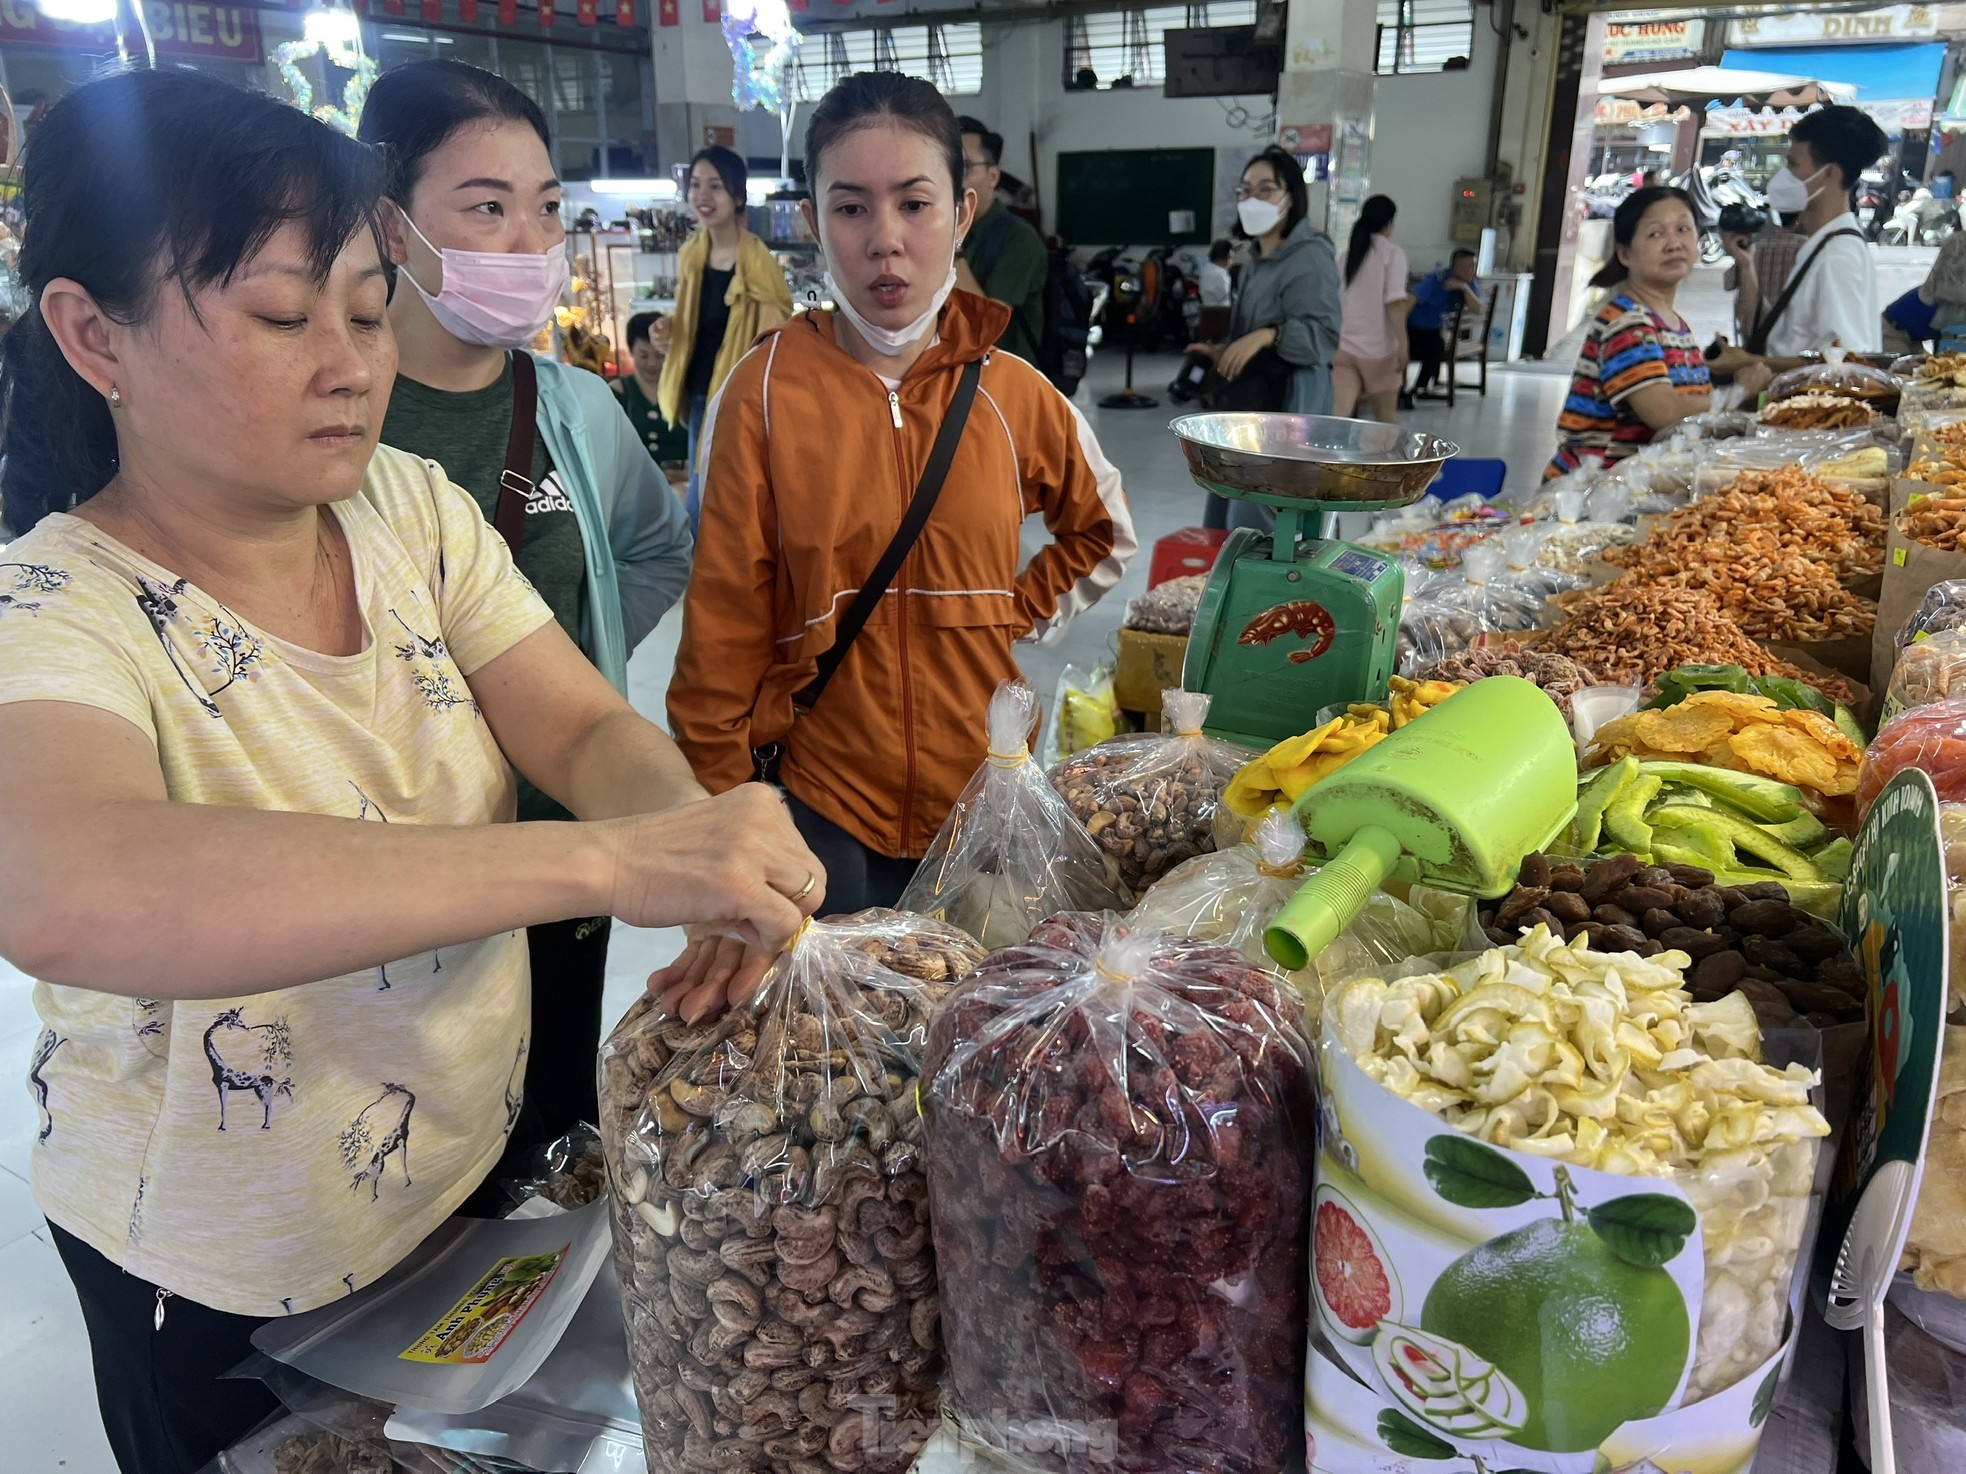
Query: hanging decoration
(334, 34)
(764, 44)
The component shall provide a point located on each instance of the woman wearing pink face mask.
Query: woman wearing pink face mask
(472, 222)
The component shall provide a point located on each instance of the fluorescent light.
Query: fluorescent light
(757, 191)
(659, 189)
(79, 12)
(417, 38)
(334, 30)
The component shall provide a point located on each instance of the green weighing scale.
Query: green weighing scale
(1292, 622)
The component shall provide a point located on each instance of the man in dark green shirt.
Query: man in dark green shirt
(648, 346)
(1003, 256)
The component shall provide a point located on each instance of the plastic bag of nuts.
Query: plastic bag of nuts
(1118, 1130)
(1149, 798)
(1010, 853)
(770, 1210)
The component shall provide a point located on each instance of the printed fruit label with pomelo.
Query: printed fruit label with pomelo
(1491, 1310)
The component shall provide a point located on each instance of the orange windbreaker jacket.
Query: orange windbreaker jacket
(812, 464)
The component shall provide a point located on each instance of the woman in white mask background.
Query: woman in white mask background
(472, 223)
(817, 449)
(1284, 329)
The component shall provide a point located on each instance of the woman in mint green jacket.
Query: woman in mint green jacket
(472, 223)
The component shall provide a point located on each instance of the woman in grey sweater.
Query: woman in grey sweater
(1283, 332)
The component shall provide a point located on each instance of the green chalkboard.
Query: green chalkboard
(1123, 196)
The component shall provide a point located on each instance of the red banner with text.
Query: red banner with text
(227, 32)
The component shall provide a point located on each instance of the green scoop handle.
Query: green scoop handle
(1332, 899)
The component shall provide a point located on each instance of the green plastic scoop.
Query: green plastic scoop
(1455, 799)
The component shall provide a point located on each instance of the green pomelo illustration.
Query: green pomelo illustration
(1592, 1340)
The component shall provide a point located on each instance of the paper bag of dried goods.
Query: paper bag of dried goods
(770, 1209)
(1231, 897)
(1557, 1217)
(1926, 547)
(1011, 852)
(1149, 798)
(1117, 1124)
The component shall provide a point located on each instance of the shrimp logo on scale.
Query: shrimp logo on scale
(1304, 619)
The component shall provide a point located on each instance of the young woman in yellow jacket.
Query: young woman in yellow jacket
(729, 289)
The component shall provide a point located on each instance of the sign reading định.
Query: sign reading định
(224, 32)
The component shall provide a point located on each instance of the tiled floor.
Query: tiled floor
(48, 1417)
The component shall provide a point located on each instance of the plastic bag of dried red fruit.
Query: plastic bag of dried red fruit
(1150, 798)
(770, 1209)
(1118, 1124)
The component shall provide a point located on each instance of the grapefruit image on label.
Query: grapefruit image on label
(1355, 1284)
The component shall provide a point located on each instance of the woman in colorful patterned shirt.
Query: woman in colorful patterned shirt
(263, 686)
(1641, 370)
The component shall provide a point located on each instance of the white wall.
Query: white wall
(1428, 131)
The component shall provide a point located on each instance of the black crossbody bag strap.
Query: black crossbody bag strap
(515, 486)
(927, 492)
(1765, 324)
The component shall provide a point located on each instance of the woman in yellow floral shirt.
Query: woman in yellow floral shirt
(262, 691)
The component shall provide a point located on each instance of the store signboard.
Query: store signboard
(1626, 42)
(1807, 28)
(1894, 115)
(191, 31)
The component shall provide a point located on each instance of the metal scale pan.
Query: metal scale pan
(1303, 460)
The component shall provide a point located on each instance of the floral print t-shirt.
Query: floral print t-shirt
(267, 1154)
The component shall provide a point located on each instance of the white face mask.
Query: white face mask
(1258, 217)
(497, 299)
(892, 341)
(1789, 195)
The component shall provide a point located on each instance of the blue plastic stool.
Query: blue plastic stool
(1463, 474)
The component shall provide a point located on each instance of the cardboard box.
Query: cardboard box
(1910, 569)
(1146, 665)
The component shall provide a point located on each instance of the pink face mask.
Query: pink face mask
(494, 298)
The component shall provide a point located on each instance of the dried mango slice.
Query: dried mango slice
(1683, 728)
(1784, 753)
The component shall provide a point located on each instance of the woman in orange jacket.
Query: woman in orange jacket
(818, 444)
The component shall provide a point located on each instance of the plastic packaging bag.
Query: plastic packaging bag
(1011, 851)
(1230, 898)
(1876, 387)
(1581, 528)
(1743, 1152)
(1942, 609)
(1526, 564)
(1119, 1126)
(1722, 461)
(770, 1210)
(1084, 712)
(1929, 737)
(1933, 669)
(1450, 613)
(568, 1172)
(468, 1317)
(1167, 608)
(1927, 1391)
(1149, 799)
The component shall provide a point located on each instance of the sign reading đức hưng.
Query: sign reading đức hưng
(223, 32)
